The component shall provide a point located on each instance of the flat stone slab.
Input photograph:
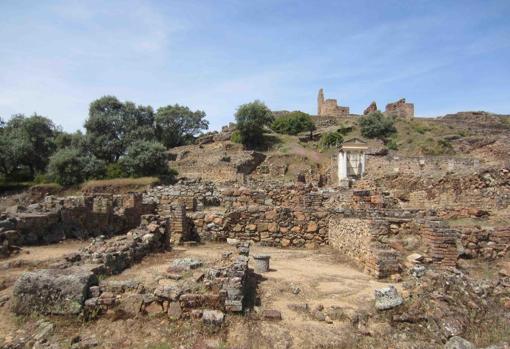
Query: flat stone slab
(52, 291)
(186, 264)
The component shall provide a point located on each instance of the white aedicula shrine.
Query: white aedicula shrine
(351, 161)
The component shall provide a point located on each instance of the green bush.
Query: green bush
(42, 178)
(330, 139)
(433, 147)
(293, 123)
(392, 144)
(70, 166)
(114, 171)
(376, 125)
(236, 137)
(145, 158)
(344, 130)
(251, 119)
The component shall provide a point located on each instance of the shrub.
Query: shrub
(114, 171)
(69, 166)
(376, 125)
(293, 123)
(145, 158)
(433, 147)
(236, 137)
(251, 119)
(344, 130)
(42, 178)
(330, 139)
(392, 144)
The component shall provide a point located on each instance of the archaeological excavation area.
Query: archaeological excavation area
(202, 264)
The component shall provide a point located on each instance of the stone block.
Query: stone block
(52, 291)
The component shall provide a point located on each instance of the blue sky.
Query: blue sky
(445, 55)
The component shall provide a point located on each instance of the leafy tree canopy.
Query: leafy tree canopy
(178, 125)
(293, 123)
(376, 125)
(113, 125)
(251, 119)
(70, 166)
(26, 141)
(145, 158)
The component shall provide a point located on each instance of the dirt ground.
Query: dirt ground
(296, 277)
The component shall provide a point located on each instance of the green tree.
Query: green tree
(145, 158)
(293, 123)
(75, 140)
(178, 125)
(330, 139)
(113, 125)
(28, 142)
(376, 125)
(251, 119)
(70, 166)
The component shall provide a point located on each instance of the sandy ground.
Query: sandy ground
(322, 277)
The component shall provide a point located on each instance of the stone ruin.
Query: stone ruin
(56, 219)
(330, 107)
(367, 225)
(72, 285)
(371, 108)
(400, 109)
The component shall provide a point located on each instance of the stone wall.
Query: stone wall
(487, 243)
(442, 244)
(486, 188)
(361, 240)
(81, 217)
(377, 166)
(267, 225)
(330, 107)
(400, 109)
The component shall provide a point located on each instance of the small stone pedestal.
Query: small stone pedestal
(261, 263)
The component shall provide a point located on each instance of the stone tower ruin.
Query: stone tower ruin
(330, 107)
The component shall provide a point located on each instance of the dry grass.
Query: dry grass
(47, 186)
(119, 184)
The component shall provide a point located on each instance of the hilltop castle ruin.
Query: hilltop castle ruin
(330, 107)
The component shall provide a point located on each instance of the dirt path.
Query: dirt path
(313, 277)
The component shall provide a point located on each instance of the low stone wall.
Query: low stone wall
(422, 165)
(56, 218)
(361, 240)
(65, 288)
(487, 243)
(487, 189)
(267, 225)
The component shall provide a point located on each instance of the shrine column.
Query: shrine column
(342, 166)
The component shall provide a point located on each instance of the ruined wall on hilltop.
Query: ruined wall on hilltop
(400, 109)
(330, 107)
